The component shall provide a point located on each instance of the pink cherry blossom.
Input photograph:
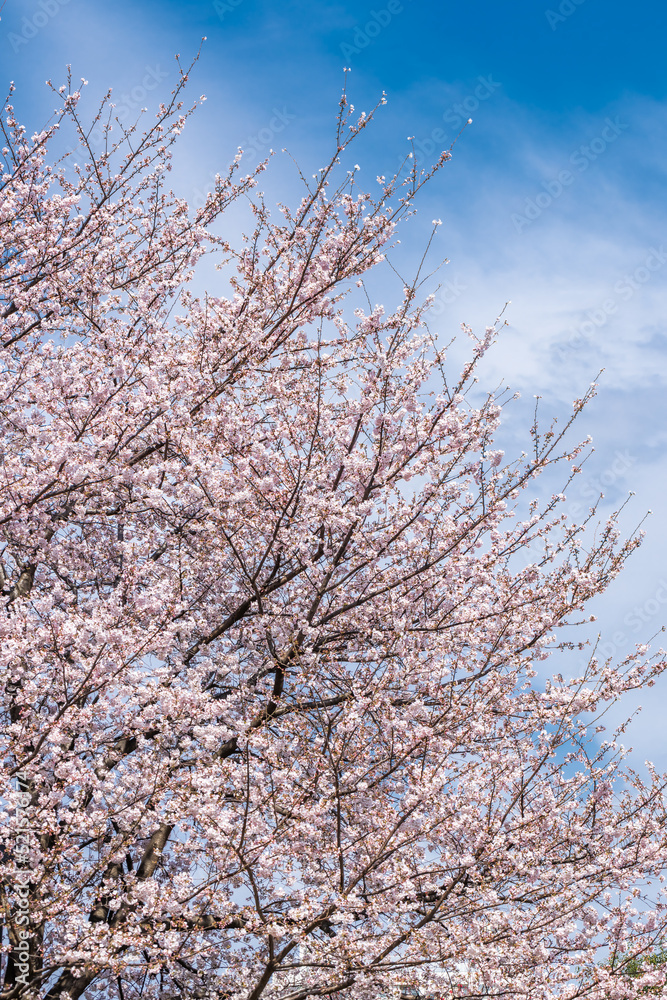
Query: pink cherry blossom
(271, 646)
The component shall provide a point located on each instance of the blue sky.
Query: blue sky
(554, 199)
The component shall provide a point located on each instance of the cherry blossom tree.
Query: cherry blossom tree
(277, 614)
